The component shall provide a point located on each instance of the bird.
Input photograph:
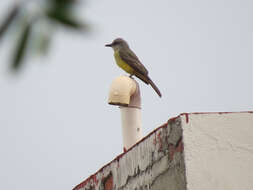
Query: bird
(129, 62)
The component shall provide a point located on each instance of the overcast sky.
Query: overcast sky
(56, 128)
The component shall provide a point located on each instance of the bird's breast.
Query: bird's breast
(122, 64)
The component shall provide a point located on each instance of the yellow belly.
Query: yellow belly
(122, 64)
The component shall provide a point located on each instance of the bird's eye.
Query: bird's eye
(115, 43)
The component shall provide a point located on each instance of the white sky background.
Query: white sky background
(56, 128)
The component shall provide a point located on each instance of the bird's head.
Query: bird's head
(118, 44)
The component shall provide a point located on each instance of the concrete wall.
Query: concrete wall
(155, 163)
(218, 150)
(192, 151)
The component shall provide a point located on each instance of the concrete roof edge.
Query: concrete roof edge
(93, 177)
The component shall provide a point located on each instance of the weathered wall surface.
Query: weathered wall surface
(218, 150)
(155, 163)
(208, 150)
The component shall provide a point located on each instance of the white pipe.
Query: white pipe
(125, 92)
(131, 126)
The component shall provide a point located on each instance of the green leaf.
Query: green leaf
(61, 6)
(62, 3)
(8, 20)
(65, 19)
(21, 47)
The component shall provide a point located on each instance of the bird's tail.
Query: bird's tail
(155, 87)
(147, 80)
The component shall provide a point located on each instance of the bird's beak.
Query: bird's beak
(108, 45)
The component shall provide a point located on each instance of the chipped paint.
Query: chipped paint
(120, 168)
(160, 141)
(108, 184)
(173, 149)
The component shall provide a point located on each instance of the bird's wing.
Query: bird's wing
(132, 60)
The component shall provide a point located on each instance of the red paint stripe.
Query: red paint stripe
(186, 116)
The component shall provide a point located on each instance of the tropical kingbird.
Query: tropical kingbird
(129, 62)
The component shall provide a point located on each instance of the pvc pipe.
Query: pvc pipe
(125, 92)
(131, 126)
